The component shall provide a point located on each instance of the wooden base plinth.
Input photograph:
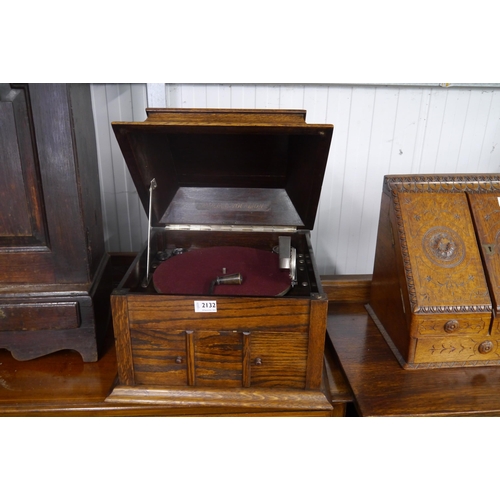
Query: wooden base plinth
(262, 400)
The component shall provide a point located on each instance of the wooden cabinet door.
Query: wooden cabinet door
(180, 358)
(218, 359)
(25, 255)
(159, 357)
(278, 359)
(222, 359)
(50, 229)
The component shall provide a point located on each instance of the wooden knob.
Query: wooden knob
(451, 326)
(178, 360)
(258, 361)
(485, 347)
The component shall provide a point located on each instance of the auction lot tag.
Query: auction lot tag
(205, 306)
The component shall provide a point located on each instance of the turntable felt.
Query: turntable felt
(192, 273)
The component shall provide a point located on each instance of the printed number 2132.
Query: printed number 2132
(205, 306)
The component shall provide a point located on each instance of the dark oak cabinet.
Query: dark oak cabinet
(52, 253)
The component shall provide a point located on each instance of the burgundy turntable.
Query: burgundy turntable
(223, 271)
(224, 306)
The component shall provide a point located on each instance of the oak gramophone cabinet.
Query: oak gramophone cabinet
(435, 292)
(224, 305)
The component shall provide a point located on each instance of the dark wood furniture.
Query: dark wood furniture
(237, 179)
(381, 387)
(52, 257)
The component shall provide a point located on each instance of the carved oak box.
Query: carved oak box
(224, 306)
(435, 288)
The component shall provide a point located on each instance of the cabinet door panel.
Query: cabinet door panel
(218, 359)
(44, 178)
(22, 216)
(278, 359)
(159, 357)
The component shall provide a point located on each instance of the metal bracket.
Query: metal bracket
(288, 257)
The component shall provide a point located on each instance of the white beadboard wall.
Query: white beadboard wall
(379, 129)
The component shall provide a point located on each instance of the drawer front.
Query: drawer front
(30, 317)
(452, 324)
(159, 357)
(451, 349)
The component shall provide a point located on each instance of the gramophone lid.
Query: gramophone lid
(227, 166)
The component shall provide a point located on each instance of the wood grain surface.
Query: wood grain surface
(382, 388)
(61, 384)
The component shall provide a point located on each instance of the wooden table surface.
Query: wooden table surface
(381, 387)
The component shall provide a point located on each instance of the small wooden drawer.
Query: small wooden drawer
(456, 349)
(39, 316)
(475, 324)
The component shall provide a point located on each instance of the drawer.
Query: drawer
(39, 316)
(456, 349)
(453, 324)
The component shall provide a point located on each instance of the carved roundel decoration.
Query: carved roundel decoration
(444, 246)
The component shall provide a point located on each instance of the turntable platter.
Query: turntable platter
(193, 272)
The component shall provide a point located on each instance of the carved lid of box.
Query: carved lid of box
(443, 267)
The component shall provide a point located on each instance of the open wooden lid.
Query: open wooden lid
(227, 166)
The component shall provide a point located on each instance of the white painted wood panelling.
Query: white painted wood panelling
(379, 129)
(125, 223)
